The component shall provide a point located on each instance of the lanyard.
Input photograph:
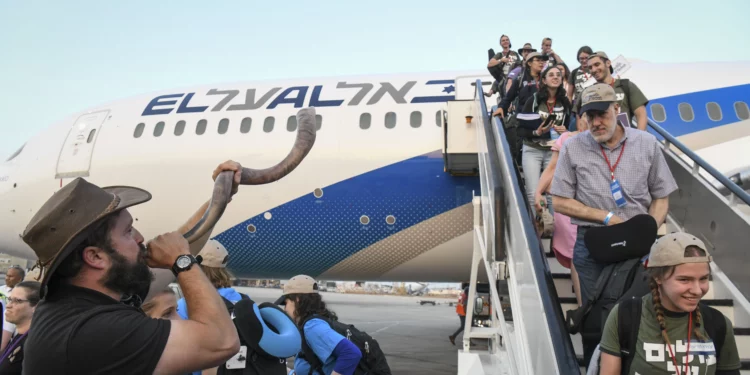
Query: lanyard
(687, 354)
(12, 346)
(611, 168)
(550, 110)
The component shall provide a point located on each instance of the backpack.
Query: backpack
(497, 70)
(250, 331)
(617, 282)
(625, 84)
(629, 321)
(230, 304)
(373, 360)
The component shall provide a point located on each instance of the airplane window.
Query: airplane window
(223, 126)
(179, 128)
(658, 112)
(686, 112)
(437, 119)
(318, 122)
(201, 128)
(245, 125)
(714, 111)
(415, 120)
(390, 120)
(268, 124)
(364, 121)
(158, 129)
(91, 136)
(740, 108)
(139, 130)
(291, 123)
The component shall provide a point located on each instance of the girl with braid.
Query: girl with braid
(672, 320)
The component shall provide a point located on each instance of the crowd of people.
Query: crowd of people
(580, 140)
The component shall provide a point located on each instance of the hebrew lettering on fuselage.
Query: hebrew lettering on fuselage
(220, 99)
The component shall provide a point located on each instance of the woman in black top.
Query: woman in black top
(21, 306)
(545, 115)
(525, 86)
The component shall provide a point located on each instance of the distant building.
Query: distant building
(7, 261)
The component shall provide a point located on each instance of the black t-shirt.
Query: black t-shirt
(81, 331)
(13, 356)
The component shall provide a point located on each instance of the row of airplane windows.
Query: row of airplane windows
(365, 121)
(686, 111)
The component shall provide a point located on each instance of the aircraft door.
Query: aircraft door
(75, 156)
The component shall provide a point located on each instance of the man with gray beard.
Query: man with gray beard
(608, 175)
(93, 260)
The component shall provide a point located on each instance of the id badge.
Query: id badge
(239, 359)
(704, 348)
(617, 194)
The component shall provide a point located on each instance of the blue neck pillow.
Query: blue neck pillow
(267, 328)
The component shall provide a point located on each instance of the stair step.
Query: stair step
(482, 332)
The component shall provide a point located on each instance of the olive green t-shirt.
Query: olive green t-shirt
(652, 355)
(627, 104)
(512, 57)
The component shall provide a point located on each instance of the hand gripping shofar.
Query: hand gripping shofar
(223, 184)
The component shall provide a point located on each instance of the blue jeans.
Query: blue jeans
(534, 162)
(587, 268)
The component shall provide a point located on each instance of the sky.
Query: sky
(61, 57)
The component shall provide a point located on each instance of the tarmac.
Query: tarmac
(413, 337)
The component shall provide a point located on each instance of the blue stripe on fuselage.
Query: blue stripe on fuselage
(310, 235)
(725, 97)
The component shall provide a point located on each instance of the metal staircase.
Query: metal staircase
(530, 290)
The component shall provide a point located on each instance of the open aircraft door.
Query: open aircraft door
(75, 156)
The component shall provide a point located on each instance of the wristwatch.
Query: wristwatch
(185, 262)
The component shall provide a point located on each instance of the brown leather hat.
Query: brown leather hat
(62, 222)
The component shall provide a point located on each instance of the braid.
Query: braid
(697, 330)
(658, 308)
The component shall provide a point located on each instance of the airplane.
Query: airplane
(418, 290)
(371, 201)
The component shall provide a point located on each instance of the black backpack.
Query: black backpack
(617, 282)
(629, 321)
(625, 84)
(257, 361)
(230, 304)
(373, 360)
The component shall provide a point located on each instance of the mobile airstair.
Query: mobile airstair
(530, 291)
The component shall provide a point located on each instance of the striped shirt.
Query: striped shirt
(582, 173)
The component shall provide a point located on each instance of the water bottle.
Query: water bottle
(554, 134)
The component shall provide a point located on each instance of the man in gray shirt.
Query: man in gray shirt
(606, 176)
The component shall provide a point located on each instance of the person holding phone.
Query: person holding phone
(545, 115)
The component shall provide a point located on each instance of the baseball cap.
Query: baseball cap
(597, 97)
(601, 54)
(214, 254)
(670, 250)
(604, 57)
(300, 284)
